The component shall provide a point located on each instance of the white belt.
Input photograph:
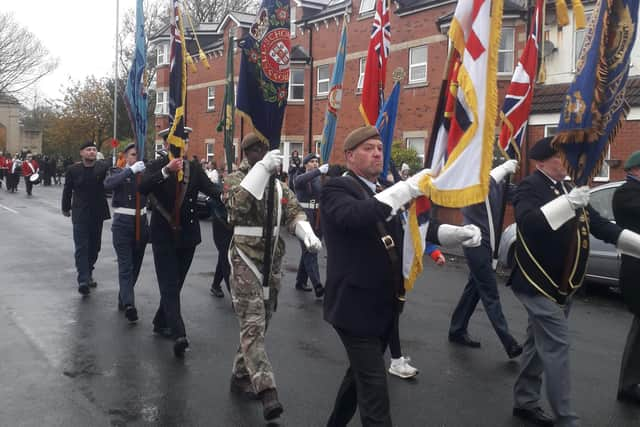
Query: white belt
(245, 230)
(129, 211)
(311, 204)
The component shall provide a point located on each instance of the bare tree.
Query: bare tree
(23, 58)
(215, 10)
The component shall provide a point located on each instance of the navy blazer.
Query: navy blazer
(359, 291)
(153, 182)
(86, 199)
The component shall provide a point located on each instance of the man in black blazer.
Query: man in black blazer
(174, 233)
(626, 210)
(364, 284)
(84, 200)
(554, 221)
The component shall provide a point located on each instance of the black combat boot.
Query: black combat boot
(272, 408)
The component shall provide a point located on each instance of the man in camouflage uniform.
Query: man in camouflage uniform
(247, 209)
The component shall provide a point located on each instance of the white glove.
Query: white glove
(629, 243)
(324, 168)
(138, 167)
(305, 233)
(468, 235)
(579, 197)
(500, 172)
(271, 161)
(402, 192)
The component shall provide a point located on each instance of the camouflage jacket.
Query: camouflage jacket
(245, 210)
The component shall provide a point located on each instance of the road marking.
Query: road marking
(9, 209)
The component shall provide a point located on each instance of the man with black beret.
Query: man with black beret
(364, 287)
(171, 184)
(129, 247)
(308, 186)
(84, 200)
(554, 221)
(626, 210)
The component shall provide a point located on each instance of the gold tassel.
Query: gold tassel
(578, 14)
(562, 13)
(192, 65)
(203, 59)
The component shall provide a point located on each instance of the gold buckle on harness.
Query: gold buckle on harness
(387, 241)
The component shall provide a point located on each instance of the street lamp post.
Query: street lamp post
(115, 85)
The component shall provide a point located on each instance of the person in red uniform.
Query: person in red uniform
(29, 167)
(4, 162)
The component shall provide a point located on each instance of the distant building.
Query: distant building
(15, 137)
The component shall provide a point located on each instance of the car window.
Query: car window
(601, 201)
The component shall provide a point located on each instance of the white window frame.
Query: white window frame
(362, 64)
(412, 139)
(326, 81)
(162, 54)
(318, 145)
(511, 51)
(285, 148)
(292, 85)
(211, 98)
(162, 102)
(210, 151)
(548, 131)
(367, 6)
(292, 22)
(418, 64)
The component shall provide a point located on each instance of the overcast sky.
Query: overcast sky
(80, 33)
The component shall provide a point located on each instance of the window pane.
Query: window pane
(506, 39)
(418, 55)
(297, 92)
(297, 75)
(323, 72)
(417, 144)
(366, 5)
(323, 87)
(505, 62)
(211, 92)
(418, 74)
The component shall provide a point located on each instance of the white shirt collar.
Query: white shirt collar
(371, 185)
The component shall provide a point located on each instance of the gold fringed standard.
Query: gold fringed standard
(562, 13)
(579, 15)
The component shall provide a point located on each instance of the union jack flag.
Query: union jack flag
(517, 103)
(375, 72)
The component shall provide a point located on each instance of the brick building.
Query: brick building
(418, 46)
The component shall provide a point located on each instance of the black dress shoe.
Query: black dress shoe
(464, 340)
(92, 283)
(535, 416)
(319, 290)
(216, 291)
(131, 313)
(303, 287)
(180, 346)
(630, 394)
(120, 306)
(514, 350)
(271, 406)
(83, 289)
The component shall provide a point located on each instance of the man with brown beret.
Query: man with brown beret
(364, 285)
(244, 196)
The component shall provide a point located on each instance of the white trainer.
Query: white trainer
(401, 368)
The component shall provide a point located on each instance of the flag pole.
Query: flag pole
(115, 85)
(442, 101)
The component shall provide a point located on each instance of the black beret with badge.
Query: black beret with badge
(543, 149)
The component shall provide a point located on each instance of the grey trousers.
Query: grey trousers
(630, 367)
(546, 350)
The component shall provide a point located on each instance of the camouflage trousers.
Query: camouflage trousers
(253, 314)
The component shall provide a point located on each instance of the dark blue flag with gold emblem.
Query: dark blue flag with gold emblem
(595, 104)
(263, 81)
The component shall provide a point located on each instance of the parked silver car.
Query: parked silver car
(604, 260)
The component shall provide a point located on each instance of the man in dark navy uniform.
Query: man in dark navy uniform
(554, 221)
(174, 233)
(364, 287)
(308, 187)
(84, 200)
(128, 243)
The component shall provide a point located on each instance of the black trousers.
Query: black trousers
(222, 239)
(364, 385)
(172, 265)
(28, 184)
(630, 367)
(87, 239)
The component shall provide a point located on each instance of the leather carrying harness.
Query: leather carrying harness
(155, 204)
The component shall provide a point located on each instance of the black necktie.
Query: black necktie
(378, 188)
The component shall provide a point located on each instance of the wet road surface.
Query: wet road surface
(68, 361)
